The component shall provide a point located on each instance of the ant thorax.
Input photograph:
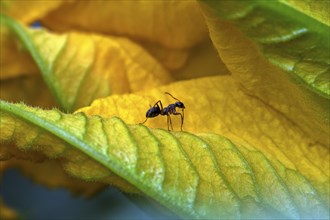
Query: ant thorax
(170, 109)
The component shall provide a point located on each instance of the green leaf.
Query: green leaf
(279, 55)
(316, 9)
(289, 39)
(196, 175)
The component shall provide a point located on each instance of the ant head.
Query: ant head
(179, 105)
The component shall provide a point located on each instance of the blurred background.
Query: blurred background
(33, 201)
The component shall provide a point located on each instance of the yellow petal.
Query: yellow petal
(171, 59)
(31, 90)
(28, 11)
(79, 67)
(174, 24)
(203, 61)
(14, 61)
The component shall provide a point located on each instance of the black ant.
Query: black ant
(158, 109)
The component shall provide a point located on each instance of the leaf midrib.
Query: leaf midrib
(75, 141)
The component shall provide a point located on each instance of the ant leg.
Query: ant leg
(169, 120)
(182, 117)
(161, 105)
(168, 128)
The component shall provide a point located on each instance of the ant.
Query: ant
(158, 109)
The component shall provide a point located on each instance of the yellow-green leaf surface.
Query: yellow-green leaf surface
(79, 67)
(173, 24)
(279, 55)
(261, 166)
(316, 9)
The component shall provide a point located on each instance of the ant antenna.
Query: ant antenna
(172, 96)
(143, 122)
